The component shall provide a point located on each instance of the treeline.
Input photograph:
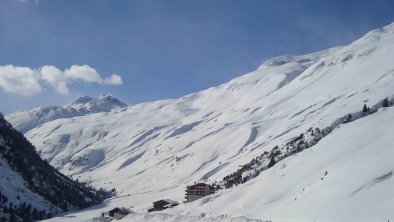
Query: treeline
(23, 211)
(269, 159)
(297, 144)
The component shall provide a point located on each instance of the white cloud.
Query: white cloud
(114, 80)
(83, 73)
(26, 81)
(89, 74)
(19, 80)
(55, 77)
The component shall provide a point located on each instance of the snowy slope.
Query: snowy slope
(30, 188)
(153, 150)
(14, 187)
(27, 120)
(346, 177)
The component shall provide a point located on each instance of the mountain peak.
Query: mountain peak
(108, 98)
(105, 96)
(106, 101)
(85, 105)
(82, 100)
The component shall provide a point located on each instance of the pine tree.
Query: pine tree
(12, 217)
(348, 118)
(386, 103)
(365, 109)
(272, 161)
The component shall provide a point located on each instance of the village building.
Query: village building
(162, 205)
(119, 213)
(197, 191)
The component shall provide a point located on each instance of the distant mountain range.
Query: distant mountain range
(27, 120)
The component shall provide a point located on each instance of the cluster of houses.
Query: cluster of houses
(193, 192)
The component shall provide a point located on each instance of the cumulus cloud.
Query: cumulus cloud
(19, 80)
(26, 81)
(114, 80)
(83, 73)
(55, 77)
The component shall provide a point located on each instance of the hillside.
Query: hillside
(32, 189)
(154, 150)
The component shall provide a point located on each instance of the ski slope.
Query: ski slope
(152, 151)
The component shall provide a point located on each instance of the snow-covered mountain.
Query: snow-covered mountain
(30, 188)
(153, 150)
(27, 120)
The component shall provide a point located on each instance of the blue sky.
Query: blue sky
(160, 49)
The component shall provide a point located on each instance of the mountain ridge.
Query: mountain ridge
(29, 119)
